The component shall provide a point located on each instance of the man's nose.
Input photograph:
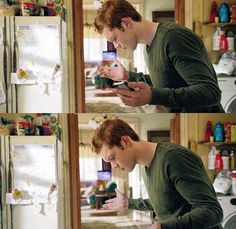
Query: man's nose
(116, 45)
(113, 165)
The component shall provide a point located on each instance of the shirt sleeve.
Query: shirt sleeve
(137, 77)
(187, 54)
(192, 183)
(140, 204)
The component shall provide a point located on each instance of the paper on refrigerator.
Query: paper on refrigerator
(34, 169)
(38, 50)
(2, 93)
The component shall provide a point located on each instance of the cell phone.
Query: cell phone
(122, 85)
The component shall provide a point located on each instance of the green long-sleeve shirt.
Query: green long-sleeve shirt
(179, 190)
(180, 72)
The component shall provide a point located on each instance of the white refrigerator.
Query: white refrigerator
(33, 65)
(31, 175)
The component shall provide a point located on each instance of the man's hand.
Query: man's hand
(117, 73)
(119, 202)
(155, 225)
(141, 96)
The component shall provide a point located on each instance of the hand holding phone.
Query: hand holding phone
(122, 85)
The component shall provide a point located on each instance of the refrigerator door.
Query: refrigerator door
(35, 183)
(4, 68)
(38, 47)
(3, 185)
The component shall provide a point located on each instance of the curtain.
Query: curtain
(89, 163)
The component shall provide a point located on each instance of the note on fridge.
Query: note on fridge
(2, 93)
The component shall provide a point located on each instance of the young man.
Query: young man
(181, 78)
(180, 192)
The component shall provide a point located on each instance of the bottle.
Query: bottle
(213, 11)
(219, 132)
(233, 176)
(223, 42)
(230, 39)
(232, 160)
(224, 13)
(37, 124)
(218, 162)
(225, 158)
(216, 39)
(211, 158)
(208, 131)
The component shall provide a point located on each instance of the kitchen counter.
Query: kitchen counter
(101, 101)
(105, 101)
(111, 219)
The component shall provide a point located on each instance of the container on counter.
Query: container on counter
(211, 158)
(230, 39)
(218, 162)
(225, 158)
(216, 39)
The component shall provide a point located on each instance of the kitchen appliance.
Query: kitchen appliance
(228, 88)
(33, 69)
(31, 191)
(228, 204)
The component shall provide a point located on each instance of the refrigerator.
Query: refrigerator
(31, 190)
(33, 65)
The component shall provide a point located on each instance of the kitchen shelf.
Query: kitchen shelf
(219, 24)
(216, 143)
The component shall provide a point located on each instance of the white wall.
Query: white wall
(154, 122)
(157, 5)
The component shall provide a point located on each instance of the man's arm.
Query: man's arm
(140, 204)
(140, 77)
(190, 179)
(187, 54)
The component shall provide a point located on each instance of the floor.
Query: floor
(105, 219)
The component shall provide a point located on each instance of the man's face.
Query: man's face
(122, 159)
(121, 39)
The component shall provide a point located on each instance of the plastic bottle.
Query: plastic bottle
(219, 132)
(223, 42)
(37, 124)
(232, 160)
(208, 131)
(216, 39)
(233, 176)
(230, 39)
(218, 162)
(225, 158)
(224, 15)
(211, 158)
(213, 11)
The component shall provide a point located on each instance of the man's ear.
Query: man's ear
(125, 141)
(126, 22)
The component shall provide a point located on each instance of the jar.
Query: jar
(233, 176)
